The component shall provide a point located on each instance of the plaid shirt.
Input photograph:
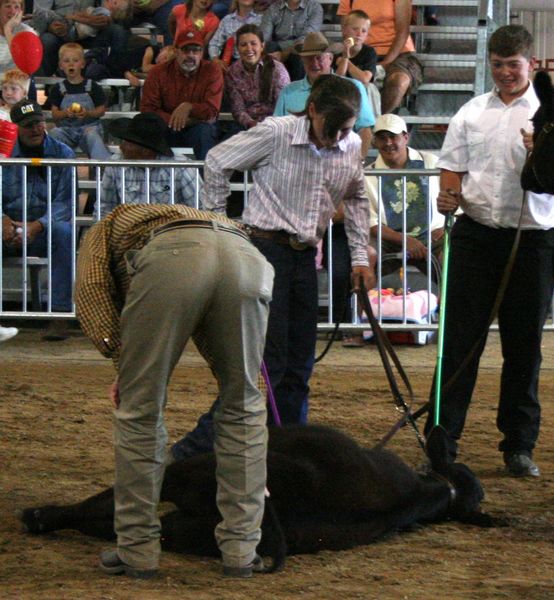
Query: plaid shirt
(228, 26)
(132, 189)
(102, 279)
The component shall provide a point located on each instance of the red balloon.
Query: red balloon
(26, 49)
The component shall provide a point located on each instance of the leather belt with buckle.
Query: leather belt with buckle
(201, 224)
(279, 236)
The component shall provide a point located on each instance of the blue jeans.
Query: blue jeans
(289, 345)
(88, 138)
(61, 261)
(202, 137)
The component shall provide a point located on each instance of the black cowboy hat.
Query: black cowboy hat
(145, 129)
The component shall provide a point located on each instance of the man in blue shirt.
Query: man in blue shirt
(317, 57)
(34, 142)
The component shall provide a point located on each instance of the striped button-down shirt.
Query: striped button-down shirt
(296, 187)
(102, 279)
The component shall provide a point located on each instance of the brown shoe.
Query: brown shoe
(56, 331)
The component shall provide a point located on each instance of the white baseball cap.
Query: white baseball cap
(390, 122)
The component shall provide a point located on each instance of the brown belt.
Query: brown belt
(279, 236)
(191, 223)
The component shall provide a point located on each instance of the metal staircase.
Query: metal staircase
(454, 55)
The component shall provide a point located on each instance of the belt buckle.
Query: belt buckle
(296, 244)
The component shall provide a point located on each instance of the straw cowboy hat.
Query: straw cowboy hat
(316, 43)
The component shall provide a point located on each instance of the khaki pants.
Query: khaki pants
(216, 286)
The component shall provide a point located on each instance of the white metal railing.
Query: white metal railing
(21, 302)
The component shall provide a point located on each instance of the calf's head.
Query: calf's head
(537, 175)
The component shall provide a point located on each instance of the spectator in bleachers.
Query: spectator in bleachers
(144, 137)
(317, 57)
(33, 142)
(77, 106)
(194, 15)
(254, 82)
(11, 12)
(15, 87)
(390, 137)
(75, 29)
(358, 61)
(186, 92)
(389, 35)
(157, 13)
(54, 30)
(285, 24)
(133, 64)
(151, 56)
(242, 13)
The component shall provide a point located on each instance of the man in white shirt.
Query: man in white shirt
(481, 162)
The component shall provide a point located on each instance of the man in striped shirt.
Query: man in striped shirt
(149, 277)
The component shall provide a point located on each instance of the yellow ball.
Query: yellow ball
(75, 107)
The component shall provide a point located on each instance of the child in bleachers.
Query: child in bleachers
(358, 60)
(77, 106)
(194, 15)
(15, 87)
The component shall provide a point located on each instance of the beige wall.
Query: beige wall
(541, 24)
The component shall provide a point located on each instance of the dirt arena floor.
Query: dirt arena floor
(56, 445)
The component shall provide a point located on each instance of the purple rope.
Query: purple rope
(270, 396)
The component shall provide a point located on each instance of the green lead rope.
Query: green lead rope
(442, 316)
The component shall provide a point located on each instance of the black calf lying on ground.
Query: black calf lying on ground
(327, 492)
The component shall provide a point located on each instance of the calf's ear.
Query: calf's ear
(437, 445)
(543, 86)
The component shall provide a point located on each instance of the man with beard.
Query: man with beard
(186, 92)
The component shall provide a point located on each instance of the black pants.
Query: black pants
(478, 257)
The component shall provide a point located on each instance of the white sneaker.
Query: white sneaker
(7, 332)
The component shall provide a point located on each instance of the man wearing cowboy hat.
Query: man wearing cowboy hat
(186, 93)
(144, 137)
(317, 56)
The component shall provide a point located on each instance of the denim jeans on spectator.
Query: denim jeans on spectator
(88, 137)
(61, 261)
(201, 137)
